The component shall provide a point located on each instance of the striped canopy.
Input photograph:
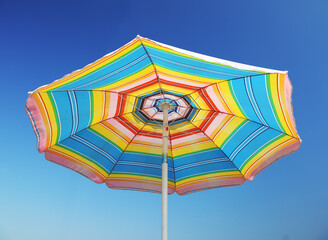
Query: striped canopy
(227, 121)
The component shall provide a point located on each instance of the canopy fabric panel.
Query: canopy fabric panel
(227, 121)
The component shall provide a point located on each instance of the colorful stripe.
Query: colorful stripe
(227, 121)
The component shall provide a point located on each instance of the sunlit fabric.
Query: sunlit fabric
(227, 121)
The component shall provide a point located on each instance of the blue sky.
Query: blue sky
(43, 40)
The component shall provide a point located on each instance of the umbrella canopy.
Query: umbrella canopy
(227, 121)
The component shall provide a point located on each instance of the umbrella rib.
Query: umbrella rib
(231, 115)
(127, 147)
(89, 127)
(122, 95)
(216, 146)
(245, 119)
(257, 123)
(155, 70)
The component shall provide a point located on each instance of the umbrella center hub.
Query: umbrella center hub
(151, 108)
(159, 105)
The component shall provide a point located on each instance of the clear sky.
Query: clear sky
(41, 41)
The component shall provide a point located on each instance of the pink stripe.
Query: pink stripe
(275, 157)
(183, 81)
(288, 97)
(137, 186)
(215, 99)
(112, 105)
(131, 86)
(38, 124)
(148, 139)
(73, 166)
(150, 111)
(189, 138)
(121, 128)
(210, 184)
(214, 124)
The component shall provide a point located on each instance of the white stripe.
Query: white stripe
(246, 141)
(140, 164)
(75, 151)
(195, 67)
(233, 135)
(205, 162)
(94, 147)
(253, 101)
(220, 61)
(255, 151)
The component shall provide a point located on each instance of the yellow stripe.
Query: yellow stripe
(208, 177)
(129, 80)
(97, 108)
(283, 79)
(144, 149)
(274, 94)
(191, 81)
(264, 154)
(197, 99)
(45, 117)
(185, 143)
(52, 118)
(190, 149)
(200, 117)
(226, 132)
(229, 99)
(110, 135)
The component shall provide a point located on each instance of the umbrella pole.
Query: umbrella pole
(165, 137)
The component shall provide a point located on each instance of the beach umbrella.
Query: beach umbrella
(156, 118)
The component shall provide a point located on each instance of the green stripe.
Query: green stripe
(233, 132)
(235, 98)
(103, 136)
(53, 105)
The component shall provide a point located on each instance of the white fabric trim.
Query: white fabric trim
(240, 66)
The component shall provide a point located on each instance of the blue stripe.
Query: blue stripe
(196, 157)
(253, 146)
(88, 152)
(261, 95)
(64, 113)
(250, 93)
(247, 129)
(205, 169)
(226, 72)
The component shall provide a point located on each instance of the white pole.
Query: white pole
(165, 107)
